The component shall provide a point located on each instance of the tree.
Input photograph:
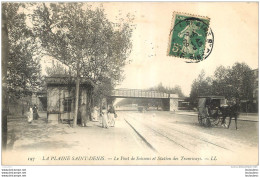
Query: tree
(221, 84)
(201, 86)
(24, 72)
(23, 68)
(241, 78)
(20, 71)
(5, 49)
(175, 90)
(232, 82)
(84, 39)
(57, 69)
(236, 81)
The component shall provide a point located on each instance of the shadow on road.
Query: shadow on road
(23, 135)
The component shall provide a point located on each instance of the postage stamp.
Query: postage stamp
(190, 37)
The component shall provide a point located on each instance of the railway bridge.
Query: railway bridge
(170, 101)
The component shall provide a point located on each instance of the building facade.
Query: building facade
(61, 97)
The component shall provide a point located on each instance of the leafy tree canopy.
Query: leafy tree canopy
(23, 68)
(236, 81)
(83, 38)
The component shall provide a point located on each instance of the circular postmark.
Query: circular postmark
(209, 43)
(192, 39)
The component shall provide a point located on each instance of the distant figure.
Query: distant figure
(100, 117)
(35, 112)
(111, 115)
(95, 114)
(104, 117)
(83, 114)
(30, 115)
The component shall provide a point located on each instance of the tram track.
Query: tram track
(145, 141)
(202, 139)
(154, 133)
(181, 138)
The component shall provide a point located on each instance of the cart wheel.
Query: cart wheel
(216, 121)
(200, 120)
(207, 122)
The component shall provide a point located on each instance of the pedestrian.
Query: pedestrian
(104, 117)
(95, 114)
(100, 117)
(83, 115)
(111, 115)
(35, 112)
(30, 115)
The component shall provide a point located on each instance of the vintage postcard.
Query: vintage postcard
(130, 83)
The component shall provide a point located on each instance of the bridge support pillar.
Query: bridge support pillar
(170, 104)
(173, 104)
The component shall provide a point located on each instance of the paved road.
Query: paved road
(167, 133)
(41, 139)
(143, 135)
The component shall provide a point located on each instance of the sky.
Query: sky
(235, 28)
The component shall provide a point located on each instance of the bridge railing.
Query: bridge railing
(138, 93)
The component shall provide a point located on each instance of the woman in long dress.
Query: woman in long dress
(30, 115)
(104, 118)
(111, 116)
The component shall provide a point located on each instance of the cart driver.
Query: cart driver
(213, 108)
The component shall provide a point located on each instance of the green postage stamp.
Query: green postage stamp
(190, 37)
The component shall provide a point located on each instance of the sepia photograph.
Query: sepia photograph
(130, 83)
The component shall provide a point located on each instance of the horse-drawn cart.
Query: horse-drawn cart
(209, 110)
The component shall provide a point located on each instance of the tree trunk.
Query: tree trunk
(91, 106)
(76, 102)
(5, 49)
(77, 96)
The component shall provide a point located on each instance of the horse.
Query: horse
(230, 111)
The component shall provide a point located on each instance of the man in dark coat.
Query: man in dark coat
(35, 112)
